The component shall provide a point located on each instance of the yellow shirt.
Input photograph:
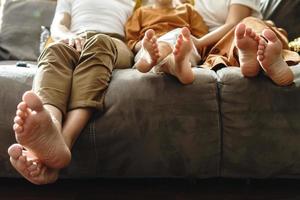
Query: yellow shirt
(163, 21)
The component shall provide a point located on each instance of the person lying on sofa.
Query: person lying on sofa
(173, 51)
(244, 41)
(73, 74)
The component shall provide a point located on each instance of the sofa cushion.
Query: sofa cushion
(152, 126)
(260, 125)
(13, 81)
(21, 27)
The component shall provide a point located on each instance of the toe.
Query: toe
(17, 128)
(33, 101)
(261, 47)
(32, 167)
(257, 38)
(20, 166)
(253, 35)
(23, 159)
(153, 39)
(15, 151)
(29, 163)
(185, 32)
(269, 35)
(35, 173)
(20, 113)
(260, 52)
(240, 30)
(262, 42)
(22, 106)
(248, 31)
(260, 57)
(180, 38)
(18, 120)
(149, 34)
(179, 41)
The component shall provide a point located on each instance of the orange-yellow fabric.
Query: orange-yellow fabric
(163, 21)
(138, 3)
(48, 41)
(224, 52)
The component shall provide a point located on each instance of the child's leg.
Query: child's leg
(179, 64)
(269, 55)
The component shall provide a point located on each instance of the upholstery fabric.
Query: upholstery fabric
(152, 126)
(222, 125)
(260, 126)
(13, 81)
(162, 128)
(21, 27)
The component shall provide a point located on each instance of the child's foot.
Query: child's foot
(246, 42)
(182, 66)
(39, 133)
(270, 58)
(151, 52)
(29, 166)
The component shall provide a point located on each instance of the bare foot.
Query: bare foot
(246, 42)
(29, 166)
(270, 58)
(151, 52)
(182, 66)
(38, 132)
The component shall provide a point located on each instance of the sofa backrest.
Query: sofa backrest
(21, 27)
(22, 20)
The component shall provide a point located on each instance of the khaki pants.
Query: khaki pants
(68, 79)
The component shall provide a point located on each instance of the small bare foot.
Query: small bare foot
(38, 132)
(29, 166)
(271, 60)
(151, 52)
(246, 42)
(182, 66)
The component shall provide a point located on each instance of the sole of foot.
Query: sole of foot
(38, 132)
(246, 41)
(269, 55)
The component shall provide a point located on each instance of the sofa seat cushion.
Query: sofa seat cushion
(260, 126)
(152, 126)
(14, 81)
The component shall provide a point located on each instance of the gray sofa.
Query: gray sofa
(222, 125)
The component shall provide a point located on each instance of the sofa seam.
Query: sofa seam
(93, 133)
(218, 86)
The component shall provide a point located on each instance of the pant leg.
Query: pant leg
(125, 55)
(93, 72)
(53, 80)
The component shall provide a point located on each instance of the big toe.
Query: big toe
(15, 151)
(149, 34)
(33, 101)
(240, 30)
(269, 35)
(186, 32)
